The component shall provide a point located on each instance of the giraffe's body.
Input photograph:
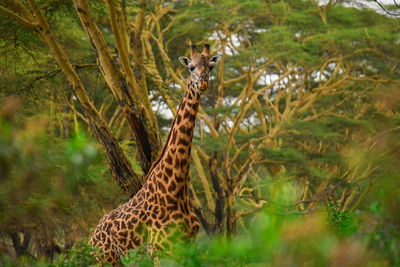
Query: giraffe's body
(160, 214)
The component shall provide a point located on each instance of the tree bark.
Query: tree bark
(20, 246)
(120, 168)
(128, 86)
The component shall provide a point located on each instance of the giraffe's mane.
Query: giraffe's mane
(162, 153)
(155, 163)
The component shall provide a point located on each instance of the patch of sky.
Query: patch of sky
(364, 4)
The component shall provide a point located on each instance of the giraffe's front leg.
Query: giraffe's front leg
(154, 242)
(155, 245)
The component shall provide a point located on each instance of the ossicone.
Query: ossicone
(193, 50)
(206, 49)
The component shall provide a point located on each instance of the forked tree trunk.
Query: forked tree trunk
(127, 84)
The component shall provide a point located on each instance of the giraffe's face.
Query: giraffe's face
(200, 66)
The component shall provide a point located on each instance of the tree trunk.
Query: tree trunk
(128, 85)
(20, 247)
(119, 165)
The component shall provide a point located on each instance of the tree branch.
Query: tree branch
(24, 21)
(131, 96)
(119, 165)
(387, 11)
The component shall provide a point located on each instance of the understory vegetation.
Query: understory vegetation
(296, 152)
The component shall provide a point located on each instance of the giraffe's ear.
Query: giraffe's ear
(185, 61)
(215, 59)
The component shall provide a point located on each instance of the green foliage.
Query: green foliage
(49, 186)
(139, 257)
(342, 220)
(54, 181)
(80, 155)
(79, 255)
(270, 240)
(284, 155)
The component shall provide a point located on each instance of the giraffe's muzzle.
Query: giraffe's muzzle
(204, 86)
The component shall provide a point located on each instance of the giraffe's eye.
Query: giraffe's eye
(191, 68)
(211, 68)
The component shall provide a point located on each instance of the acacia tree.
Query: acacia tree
(129, 89)
(291, 98)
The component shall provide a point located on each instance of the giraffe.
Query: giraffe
(160, 215)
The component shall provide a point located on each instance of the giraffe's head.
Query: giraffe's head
(200, 66)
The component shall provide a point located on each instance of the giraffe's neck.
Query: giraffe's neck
(175, 159)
